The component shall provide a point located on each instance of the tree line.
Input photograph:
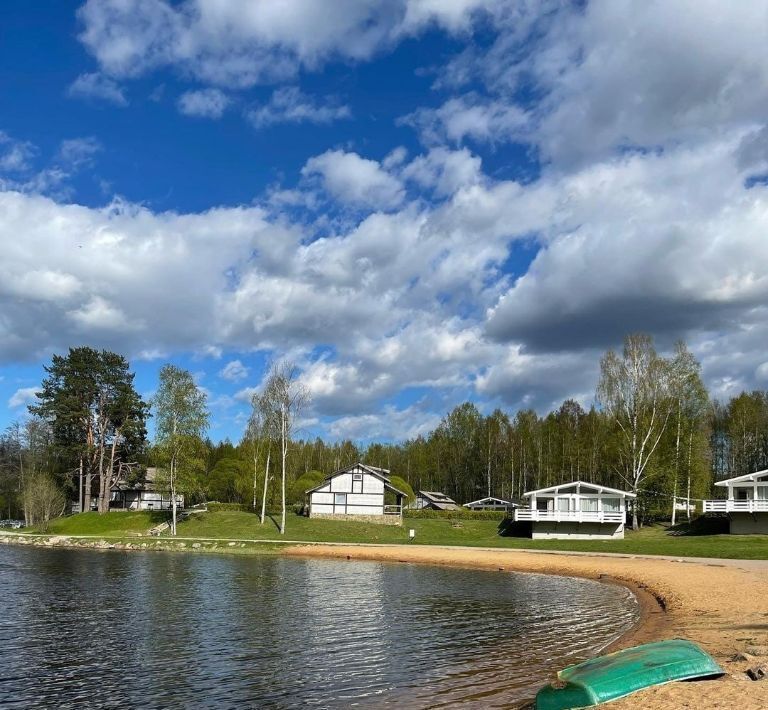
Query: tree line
(652, 429)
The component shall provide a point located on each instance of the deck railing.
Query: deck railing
(736, 506)
(393, 510)
(570, 516)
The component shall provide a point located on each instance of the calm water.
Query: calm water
(112, 629)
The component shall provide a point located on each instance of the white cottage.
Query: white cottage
(746, 505)
(576, 511)
(357, 493)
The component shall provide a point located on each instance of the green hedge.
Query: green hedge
(462, 514)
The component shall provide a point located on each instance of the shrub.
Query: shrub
(297, 490)
(43, 500)
(402, 485)
(462, 513)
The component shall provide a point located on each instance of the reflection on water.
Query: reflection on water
(111, 629)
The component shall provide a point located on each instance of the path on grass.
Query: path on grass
(748, 564)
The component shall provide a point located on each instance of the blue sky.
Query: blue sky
(418, 202)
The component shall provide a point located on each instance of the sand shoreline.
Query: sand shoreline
(720, 604)
(723, 606)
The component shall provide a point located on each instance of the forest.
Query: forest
(652, 429)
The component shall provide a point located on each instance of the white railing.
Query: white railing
(570, 516)
(393, 510)
(736, 506)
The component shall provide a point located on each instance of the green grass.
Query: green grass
(653, 540)
(111, 524)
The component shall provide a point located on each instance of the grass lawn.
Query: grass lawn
(110, 524)
(653, 540)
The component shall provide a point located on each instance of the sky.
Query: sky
(418, 202)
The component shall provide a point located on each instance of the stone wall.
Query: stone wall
(379, 519)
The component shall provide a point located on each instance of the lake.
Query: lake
(132, 629)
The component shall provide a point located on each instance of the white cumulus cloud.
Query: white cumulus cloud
(204, 103)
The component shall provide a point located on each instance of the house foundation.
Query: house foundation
(577, 531)
(379, 519)
(749, 524)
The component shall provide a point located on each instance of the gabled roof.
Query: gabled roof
(438, 500)
(436, 497)
(746, 478)
(379, 473)
(593, 486)
(490, 500)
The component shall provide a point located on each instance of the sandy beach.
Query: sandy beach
(720, 604)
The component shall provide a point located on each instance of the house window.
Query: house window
(340, 499)
(563, 504)
(357, 476)
(612, 505)
(589, 505)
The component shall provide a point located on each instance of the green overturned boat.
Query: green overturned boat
(610, 677)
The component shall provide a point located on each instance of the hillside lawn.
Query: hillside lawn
(237, 525)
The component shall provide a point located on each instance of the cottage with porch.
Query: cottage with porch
(576, 511)
(358, 492)
(746, 504)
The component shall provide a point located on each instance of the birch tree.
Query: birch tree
(181, 420)
(283, 399)
(260, 434)
(634, 390)
(690, 406)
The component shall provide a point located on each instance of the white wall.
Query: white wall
(368, 502)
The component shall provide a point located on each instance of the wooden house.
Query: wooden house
(358, 492)
(433, 500)
(491, 503)
(146, 495)
(576, 511)
(746, 504)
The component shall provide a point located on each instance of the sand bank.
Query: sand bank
(720, 604)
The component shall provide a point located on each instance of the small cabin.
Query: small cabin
(491, 503)
(746, 503)
(359, 492)
(576, 511)
(146, 495)
(434, 500)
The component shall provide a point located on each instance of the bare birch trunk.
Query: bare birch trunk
(80, 494)
(677, 463)
(173, 495)
(284, 426)
(264, 492)
(688, 492)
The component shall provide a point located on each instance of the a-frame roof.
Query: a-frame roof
(580, 484)
(746, 478)
(488, 499)
(380, 473)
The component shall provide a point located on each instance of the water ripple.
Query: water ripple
(157, 631)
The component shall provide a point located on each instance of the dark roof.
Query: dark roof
(438, 500)
(436, 497)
